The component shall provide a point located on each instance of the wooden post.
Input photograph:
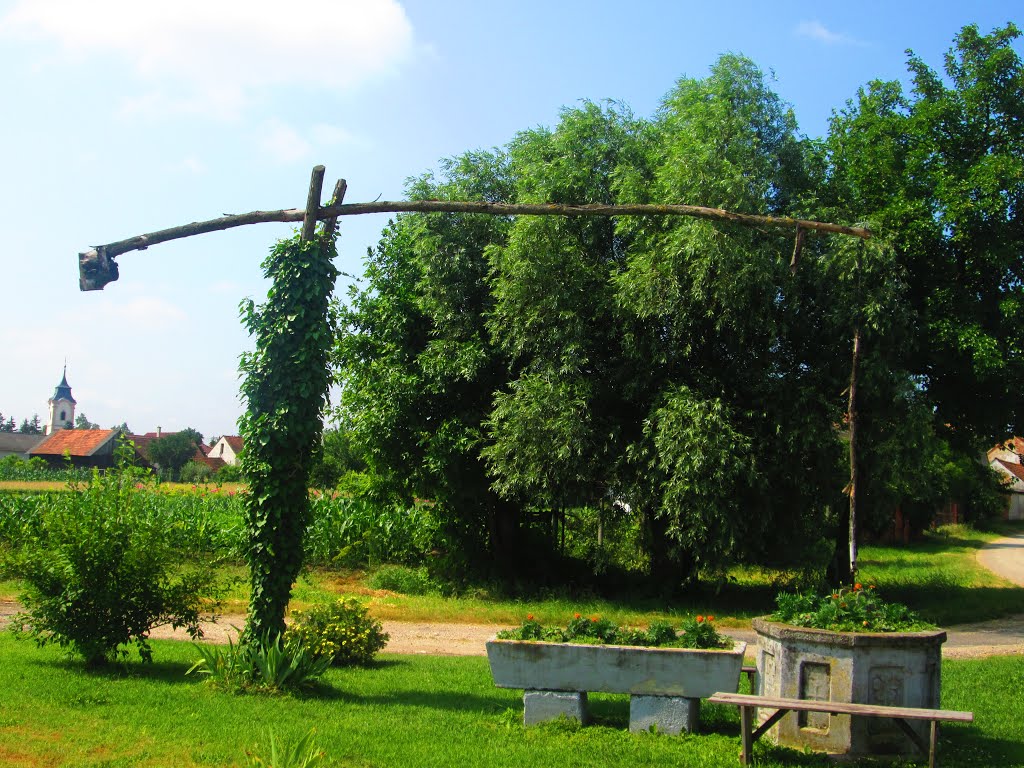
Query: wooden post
(316, 185)
(746, 734)
(854, 455)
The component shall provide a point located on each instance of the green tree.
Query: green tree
(33, 427)
(82, 422)
(172, 452)
(585, 360)
(418, 368)
(940, 170)
(6, 425)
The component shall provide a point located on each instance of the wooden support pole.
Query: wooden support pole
(316, 185)
(337, 197)
(97, 267)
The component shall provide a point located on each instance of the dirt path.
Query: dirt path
(1005, 557)
(989, 638)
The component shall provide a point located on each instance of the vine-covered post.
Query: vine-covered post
(285, 387)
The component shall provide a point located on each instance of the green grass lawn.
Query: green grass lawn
(407, 711)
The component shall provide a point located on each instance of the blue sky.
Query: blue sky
(123, 117)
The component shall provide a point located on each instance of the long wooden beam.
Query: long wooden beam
(97, 268)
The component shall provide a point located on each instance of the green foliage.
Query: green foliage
(342, 632)
(697, 632)
(100, 573)
(33, 427)
(285, 390)
(847, 610)
(302, 753)
(196, 472)
(402, 579)
(939, 169)
(260, 666)
(82, 422)
(172, 452)
(15, 468)
(230, 473)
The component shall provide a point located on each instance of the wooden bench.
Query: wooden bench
(748, 703)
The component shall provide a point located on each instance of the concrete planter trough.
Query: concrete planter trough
(665, 684)
(890, 668)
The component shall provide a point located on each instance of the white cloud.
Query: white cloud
(815, 30)
(282, 142)
(203, 54)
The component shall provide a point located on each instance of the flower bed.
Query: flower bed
(848, 646)
(556, 668)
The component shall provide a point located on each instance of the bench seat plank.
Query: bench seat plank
(842, 707)
(748, 702)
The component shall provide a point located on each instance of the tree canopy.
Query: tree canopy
(694, 373)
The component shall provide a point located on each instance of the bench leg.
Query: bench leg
(933, 743)
(746, 735)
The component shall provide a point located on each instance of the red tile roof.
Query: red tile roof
(74, 442)
(235, 442)
(1014, 469)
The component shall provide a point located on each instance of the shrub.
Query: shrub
(196, 472)
(265, 666)
(229, 473)
(847, 610)
(342, 632)
(99, 573)
(402, 579)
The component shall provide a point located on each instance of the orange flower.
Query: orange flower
(529, 617)
(700, 619)
(576, 616)
(857, 587)
(711, 618)
(871, 586)
(865, 623)
(594, 619)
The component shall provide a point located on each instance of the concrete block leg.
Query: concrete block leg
(541, 706)
(668, 714)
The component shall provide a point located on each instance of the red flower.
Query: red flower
(576, 616)
(711, 618)
(529, 617)
(857, 587)
(700, 619)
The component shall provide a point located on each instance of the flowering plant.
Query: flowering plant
(698, 632)
(342, 631)
(851, 609)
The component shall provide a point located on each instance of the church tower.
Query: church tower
(62, 407)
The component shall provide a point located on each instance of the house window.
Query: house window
(222, 449)
(63, 416)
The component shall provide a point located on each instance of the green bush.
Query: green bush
(100, 573)
(342, 632)
(196, 472)
(402, 579)
(230, 473)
